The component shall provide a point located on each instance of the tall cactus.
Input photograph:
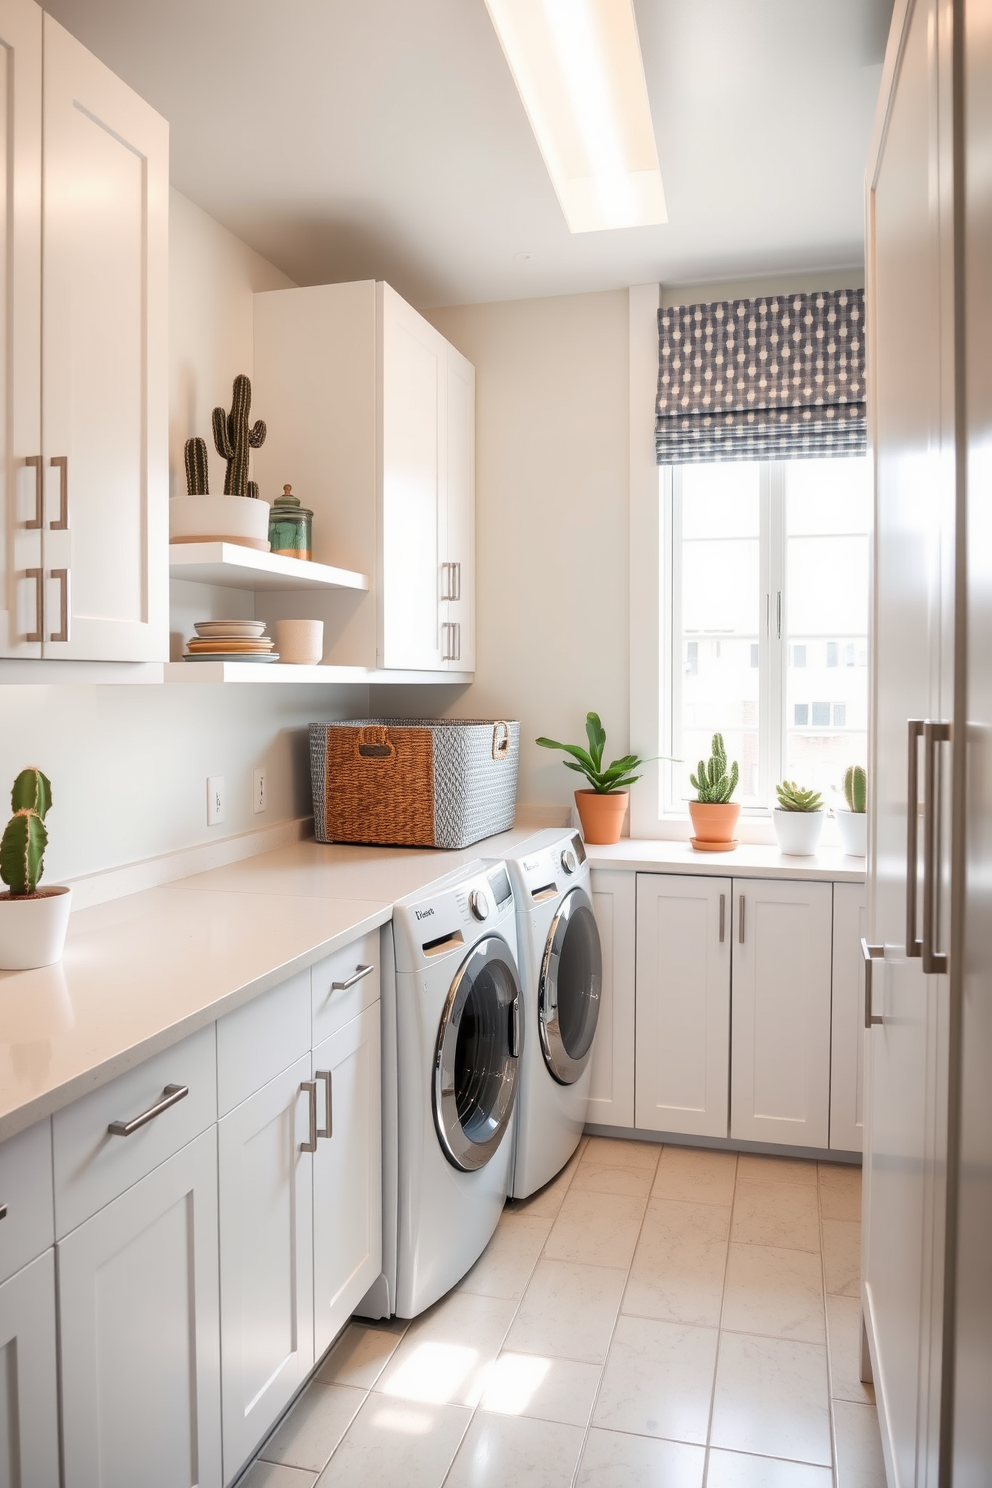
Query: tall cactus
(195, 453)
(234, 438)
(713, 782)
(856, 789)
(22, 852)
(32, 791)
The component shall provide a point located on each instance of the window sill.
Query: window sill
(749, 860)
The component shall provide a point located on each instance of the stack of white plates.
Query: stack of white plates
(230, 640)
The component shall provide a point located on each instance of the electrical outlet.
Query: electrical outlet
(215, 800)
(258, 791)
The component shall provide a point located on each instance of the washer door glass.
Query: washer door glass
(571, 987)
(477, 1055)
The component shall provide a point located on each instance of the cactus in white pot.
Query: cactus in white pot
(33, 920)
(852, 824)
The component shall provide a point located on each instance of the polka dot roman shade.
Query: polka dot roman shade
(781, 378)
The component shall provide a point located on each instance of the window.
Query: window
(766, 621)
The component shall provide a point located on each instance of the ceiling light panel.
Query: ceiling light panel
(578, 69)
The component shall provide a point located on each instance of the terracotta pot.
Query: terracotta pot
(601, 814)
(32, 928)
(714, 823)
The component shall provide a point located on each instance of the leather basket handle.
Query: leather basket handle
(374, 743)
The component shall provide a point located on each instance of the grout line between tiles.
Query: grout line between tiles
(719, 1335)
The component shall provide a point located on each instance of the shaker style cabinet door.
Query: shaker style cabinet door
(683, 1004)
(104, 362)
(266, 1259)
(347, 1173)
(29, 1424)
(611, 1089)
(139, 1335)
(847, 1030)
(21, 557)
(457, 536)
(780, 1068)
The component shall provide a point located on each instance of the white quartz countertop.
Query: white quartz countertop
(143, 971)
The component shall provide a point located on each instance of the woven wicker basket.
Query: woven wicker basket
(413, 782)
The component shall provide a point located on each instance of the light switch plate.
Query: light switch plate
(215, 800)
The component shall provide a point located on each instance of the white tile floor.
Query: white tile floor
(655, 1318)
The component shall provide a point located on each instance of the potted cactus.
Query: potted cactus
(714, 814)
(852, 823)
(33, 921)
(798, 819)
(603, 804)
(238, 516)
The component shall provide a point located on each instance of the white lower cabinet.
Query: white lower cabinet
(347, 1173)
(611, 1090)
(847, 1033)
(29, 1426)
(780, 1067)
(266, 1259)
(683, 1004)
(139, 1332)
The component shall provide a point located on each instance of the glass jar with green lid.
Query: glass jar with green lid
(290, 526)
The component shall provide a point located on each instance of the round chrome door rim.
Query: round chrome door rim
(560, 1063)
(458, 1147)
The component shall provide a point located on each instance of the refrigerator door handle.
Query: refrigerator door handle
(914, 947)
(934, 734)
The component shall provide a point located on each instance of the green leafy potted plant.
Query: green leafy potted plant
(33, 921)
(852, 823)
(603, 803)
(798, 819)
(714, 814)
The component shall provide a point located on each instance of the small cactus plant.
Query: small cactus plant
(792, 797)
(252, 490)
(713, 783)
(195, 453)
(22, 847)
(856, 789)
(234, 438)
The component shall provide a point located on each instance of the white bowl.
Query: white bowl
(32, 930)
(235, 519)
(798, 832)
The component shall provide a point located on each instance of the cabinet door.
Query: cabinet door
(104, 362)
(347, 1174)
(780, 1070)
(683, 1004)
(611, 1089)
(847, 1020)
(458, 536)
(29, 1424)
(266, 1259)
(412, 403)
(139, 1336)
(21, 559)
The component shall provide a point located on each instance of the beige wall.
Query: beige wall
(551, 511)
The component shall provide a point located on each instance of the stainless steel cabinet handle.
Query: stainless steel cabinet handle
(61, 464)
(310, 1087)
(39, 493)
(171, 1095)
(327, 1130)
(3, 1211)
(723, 917)
(914, 726)
(740, 926)
(62, 634)
(451, 583)
(38, 574)
(362, 971)
(451, 641)
(871, 953)
(934, 734)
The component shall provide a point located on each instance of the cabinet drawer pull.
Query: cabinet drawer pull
(871, 953)
(3, 1211)
(62, 634)
(740, 927)
(327, 1130)
(357, 975)
(38, 574)
(37, 522)
(451, 641)
(61, 464)
(310, 1088)
(723, 917)
(451, 584)
(171, 1095)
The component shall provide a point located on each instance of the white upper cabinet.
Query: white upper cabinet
(371, 419)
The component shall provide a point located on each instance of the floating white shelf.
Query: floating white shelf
(235, 567)
(278, 672)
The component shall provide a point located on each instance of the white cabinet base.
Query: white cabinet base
(611, 1090)
(29, 1425)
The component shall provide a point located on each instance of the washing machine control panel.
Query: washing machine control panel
(478, 903)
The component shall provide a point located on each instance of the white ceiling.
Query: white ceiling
(352, 139)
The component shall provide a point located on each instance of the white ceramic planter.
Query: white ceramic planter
(798, 832)
(236, 519)
(853, 829)
(32, 931)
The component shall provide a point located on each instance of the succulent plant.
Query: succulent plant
(234, 438)
(792, 798)
(195, 453)
(22, 847)
(713, 783)
(856, 789)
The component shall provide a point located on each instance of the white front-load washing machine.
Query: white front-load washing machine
(561, 977)
(453, 1030)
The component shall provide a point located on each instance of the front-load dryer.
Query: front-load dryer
(561, 977)
(458, 1031)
